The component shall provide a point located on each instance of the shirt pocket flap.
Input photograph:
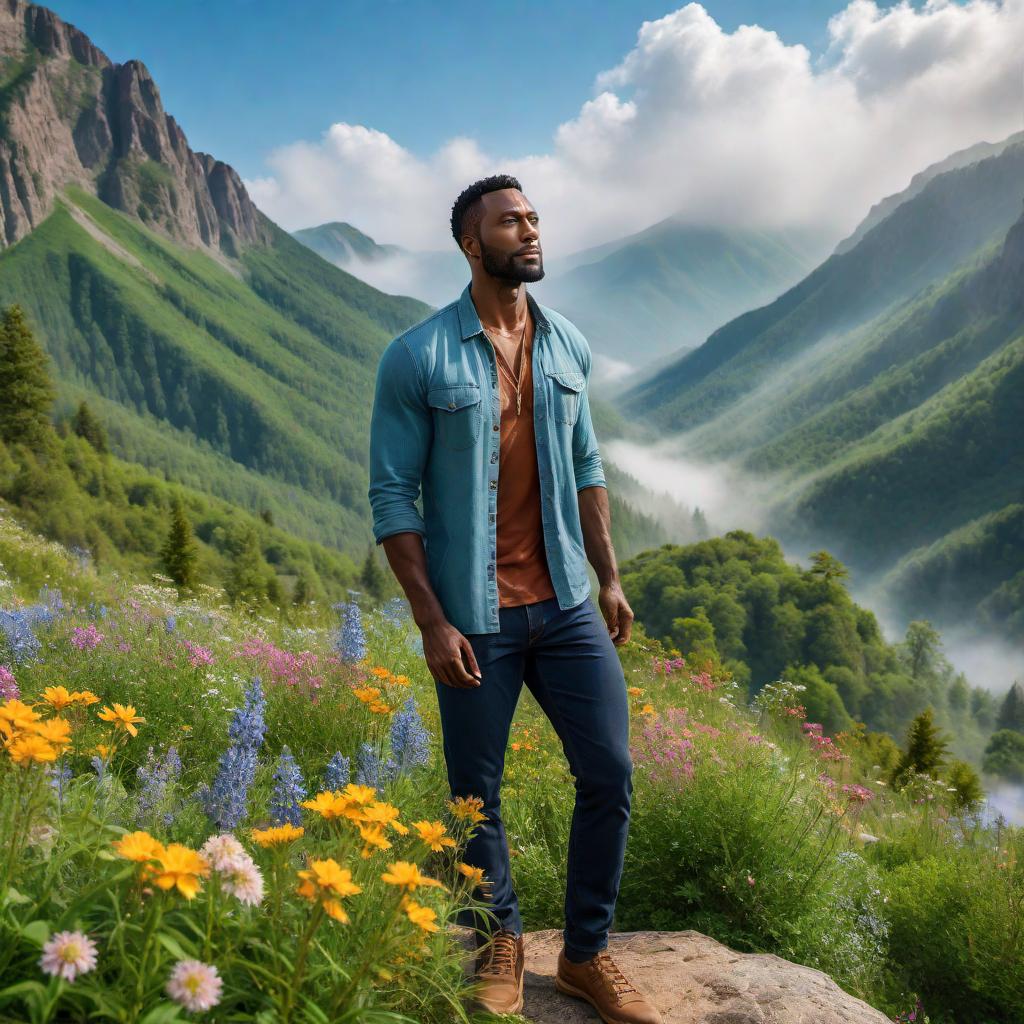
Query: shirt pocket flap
(453, 396)
(571, 379)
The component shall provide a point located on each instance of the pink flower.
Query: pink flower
(245, 882)
(87, 638)
(195, 985)
(8, 685)
(68, 954)
(224, 852)
(198, 655)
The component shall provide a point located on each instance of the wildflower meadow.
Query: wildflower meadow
(216, 815)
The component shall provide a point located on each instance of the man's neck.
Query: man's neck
(499, 305)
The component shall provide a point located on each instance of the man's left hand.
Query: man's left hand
(617, 613)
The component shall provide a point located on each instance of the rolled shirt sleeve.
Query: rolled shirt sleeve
(586, 456)
(401, 432)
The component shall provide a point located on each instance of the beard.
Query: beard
(509, 267)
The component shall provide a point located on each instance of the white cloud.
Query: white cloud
(723, 127)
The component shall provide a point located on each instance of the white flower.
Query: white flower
(68, 954)
(197, 986)
(245, 882)
(224, 852)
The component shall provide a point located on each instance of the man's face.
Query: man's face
(510, 226)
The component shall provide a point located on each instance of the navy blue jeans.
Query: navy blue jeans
(570, 665)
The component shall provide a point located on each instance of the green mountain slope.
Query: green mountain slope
(922, 241)
(268, 365)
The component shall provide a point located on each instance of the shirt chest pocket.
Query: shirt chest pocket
(457, 414)
(564, 390)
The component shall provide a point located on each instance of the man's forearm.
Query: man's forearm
(596, 521)
(408, 560)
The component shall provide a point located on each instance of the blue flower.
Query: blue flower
(337, 774)
(410, 741)
(16, 626)
(371, 771)
(395, 611)
(225, 801)
(289, 790)
(170, 622)
(351, 642)
(158, 776)
(59, 777)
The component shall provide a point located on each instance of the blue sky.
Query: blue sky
(245, 76)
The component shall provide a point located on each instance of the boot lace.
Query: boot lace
(501, 958)
(620, 984)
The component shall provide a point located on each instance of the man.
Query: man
(484, 405)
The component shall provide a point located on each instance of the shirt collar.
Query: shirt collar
(469, 319)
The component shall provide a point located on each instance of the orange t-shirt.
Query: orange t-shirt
(522, 569)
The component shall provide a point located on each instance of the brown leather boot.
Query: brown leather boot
(500, 964)
(606, 988)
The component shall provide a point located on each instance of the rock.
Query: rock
(70, 115)
(691, 979)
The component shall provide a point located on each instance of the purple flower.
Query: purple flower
(351, 642)
(16, 625)
(410, 741)
(289, 790)
(225, 801)
(157, 776)
(8, 685)
(338, 772)
(370, 770)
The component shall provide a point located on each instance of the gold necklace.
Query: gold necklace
(517, 381)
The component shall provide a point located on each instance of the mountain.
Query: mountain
(882, 398)
(435, 277)
(667, 287)
(215, 348)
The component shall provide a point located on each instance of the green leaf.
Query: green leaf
(162, 1013)
(171, 944)
(37, 932)
(14, 897)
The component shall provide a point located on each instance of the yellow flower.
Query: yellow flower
(15, 715)
(402, 680)
(123, 716)
(647, 709)
(380, 672)
(29, 748)
(85, 697)
(180, 867)
(328, 805)
(433, 834)
(378, 707)
(634, 691)
(382, 813)
(467, 808)
(58, 697)
(276, 836)
(422, 916)
(326, 881)
(367, 693)
(373, 836)
(138, 846)
(407, 875)
(474, 874)
(56, 731)
(104, 750)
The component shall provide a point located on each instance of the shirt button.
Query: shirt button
(494, 485)
(451, 405)
(494, 456)
(495, 427)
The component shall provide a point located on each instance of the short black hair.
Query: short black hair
(467, 211)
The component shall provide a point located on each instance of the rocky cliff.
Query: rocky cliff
(68, 114)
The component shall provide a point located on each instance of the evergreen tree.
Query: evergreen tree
(372, 576)
(827, 566)
(959, 695)
(247, 575)
(26, 391)
(85, 424)
(926, 749)
(267, 516)
(964, 779)
(302, 591)
(700, 524)
(1004, 755)
(1011, 712)
(180, 551)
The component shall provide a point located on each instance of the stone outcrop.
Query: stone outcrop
(69, 115)
(692, 979)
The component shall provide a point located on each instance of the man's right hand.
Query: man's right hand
(443, 648)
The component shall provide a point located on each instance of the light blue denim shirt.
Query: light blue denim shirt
(436, 425)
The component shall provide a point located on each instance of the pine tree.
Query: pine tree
(827, 566)
(85, 424)
(247, 576)
(926, 749)
(372, 576)
(1011, 712)
(180, 551)
(26, 391)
